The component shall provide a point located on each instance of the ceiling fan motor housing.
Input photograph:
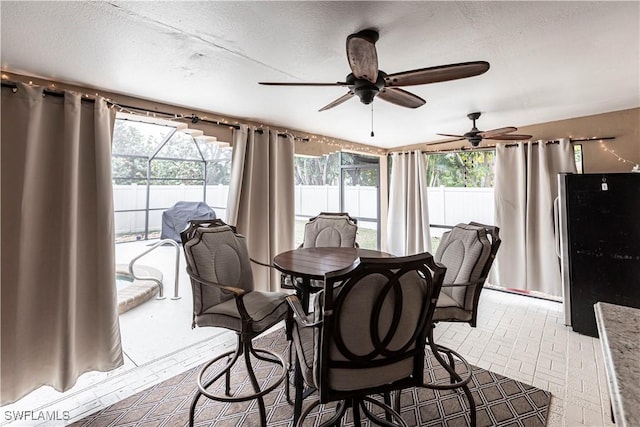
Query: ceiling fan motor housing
(366, 90)
(472, 136)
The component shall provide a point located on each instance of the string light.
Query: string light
(340, 145)
(636, 167)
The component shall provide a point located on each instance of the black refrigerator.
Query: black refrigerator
(598, 222)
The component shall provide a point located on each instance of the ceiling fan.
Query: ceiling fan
(474, 136)
(367, 81)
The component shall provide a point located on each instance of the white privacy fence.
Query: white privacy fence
(134, 198)
(447, 206)
(360, 201)
(455, 205)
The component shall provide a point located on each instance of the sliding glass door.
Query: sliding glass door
(340, 182)
(360, 195)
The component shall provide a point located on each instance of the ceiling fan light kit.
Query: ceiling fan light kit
(368, 82)
(475, 136)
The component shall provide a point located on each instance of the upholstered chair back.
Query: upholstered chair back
(464, 250)
(330, 230)
(217, 254)
(375, 317)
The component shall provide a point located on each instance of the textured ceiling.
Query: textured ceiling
(549, 60)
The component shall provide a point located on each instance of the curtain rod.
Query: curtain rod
(194, 118)
(46, 91)
(572, 140)
(491, 147)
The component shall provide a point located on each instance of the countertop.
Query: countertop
(619, 329)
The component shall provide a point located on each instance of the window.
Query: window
(460, 190)
(339, 182)
(577, 151)
(471, 169)
(360, 195)
(154, 166)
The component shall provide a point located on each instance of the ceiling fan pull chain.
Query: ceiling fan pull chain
(372, 134)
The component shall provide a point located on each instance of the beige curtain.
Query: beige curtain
(525, 188)
(261, 197)
(408, 221)
(59, 310)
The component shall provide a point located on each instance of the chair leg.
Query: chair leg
(355, 408)
(396, 406)
(452, 363)
(244, 347)
(355, 405)
(289, 334)
(390, 413)
(289, 369)
(298, 385)
(254, 382)
(387, 401)
(456, 381)
(232, 357)
(192, 410)
(341, 409)
(227, 380)
(459, 382)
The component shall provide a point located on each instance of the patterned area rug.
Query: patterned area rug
(500, 401)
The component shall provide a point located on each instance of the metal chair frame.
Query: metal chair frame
(456, 380)
(244, 345)
(414, 348)
(494, 233)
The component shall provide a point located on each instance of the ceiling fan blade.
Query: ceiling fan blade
(302, 84)
(401, 97)
(437, 74)
(449, 135)
(338, 101)
(497, 132)
(510, 137)
(446, 142)
(362, 55)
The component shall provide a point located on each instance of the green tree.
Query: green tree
(317, 170)
(472, 169)
(181, 157)
(325, 170)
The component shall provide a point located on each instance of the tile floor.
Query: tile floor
(520, 337)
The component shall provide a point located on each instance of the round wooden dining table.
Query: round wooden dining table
(314, 263)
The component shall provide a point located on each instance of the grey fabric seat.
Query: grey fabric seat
(339, 354)
(468, 251)
(262, 308)
(219, 266)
